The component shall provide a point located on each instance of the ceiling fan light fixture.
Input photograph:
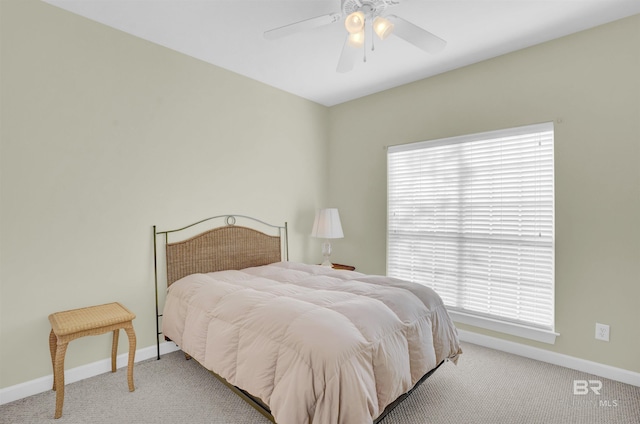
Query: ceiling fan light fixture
(382, 27)
(356, 39)
(354, 22)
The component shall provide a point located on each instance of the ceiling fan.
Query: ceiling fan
(358, 15)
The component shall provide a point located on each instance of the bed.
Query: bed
(301, 343)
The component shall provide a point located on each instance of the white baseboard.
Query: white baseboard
(42, 384)
(601, 370)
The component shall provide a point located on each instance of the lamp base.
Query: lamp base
(326, 252)
(326, 262)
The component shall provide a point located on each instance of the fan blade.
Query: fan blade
(318, 21)
(417, 36)
(347, 57)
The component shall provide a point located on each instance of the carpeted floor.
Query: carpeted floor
(486, 386)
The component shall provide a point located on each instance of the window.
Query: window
(473, 218)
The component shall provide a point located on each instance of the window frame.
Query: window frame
(547, 334)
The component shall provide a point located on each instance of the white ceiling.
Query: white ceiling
(228, 33)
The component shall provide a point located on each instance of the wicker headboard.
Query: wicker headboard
(222, 245)
(217, 248)
(230, 247)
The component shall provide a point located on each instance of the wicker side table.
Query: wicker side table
(90, 321)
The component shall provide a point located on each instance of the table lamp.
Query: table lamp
(327, 226)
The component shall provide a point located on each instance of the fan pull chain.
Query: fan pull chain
(373, 39)
(364, 43)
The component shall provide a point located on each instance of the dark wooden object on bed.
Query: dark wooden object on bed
(232, 247)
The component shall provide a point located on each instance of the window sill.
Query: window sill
(544, 336)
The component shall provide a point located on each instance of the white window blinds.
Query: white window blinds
(473, 218)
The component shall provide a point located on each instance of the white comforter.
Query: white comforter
(317, 345)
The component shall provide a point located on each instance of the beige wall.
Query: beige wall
(589, 85)
(104, 135)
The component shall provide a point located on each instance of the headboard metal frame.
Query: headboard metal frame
(228, 246)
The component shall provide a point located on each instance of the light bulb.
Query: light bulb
(382, 27)
(354, 22)
(356, 39)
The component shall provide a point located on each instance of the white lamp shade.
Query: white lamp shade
(356, 39)
(354, 22)
(327, 224)
(382, 27)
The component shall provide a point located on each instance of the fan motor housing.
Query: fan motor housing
(376, 7)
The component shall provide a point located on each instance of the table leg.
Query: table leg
(132, 353)
(53, 340)
(58, 376)
(114, 349)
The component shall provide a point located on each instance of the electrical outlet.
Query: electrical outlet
(602, 332)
